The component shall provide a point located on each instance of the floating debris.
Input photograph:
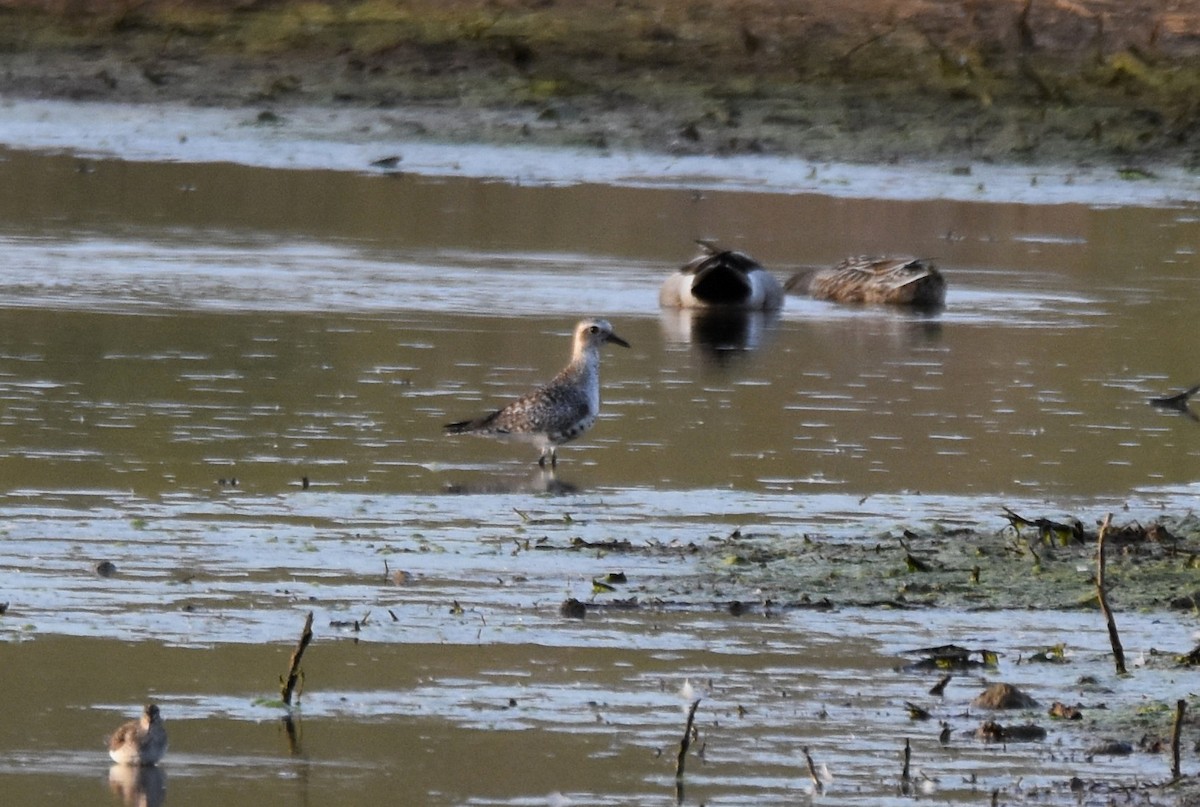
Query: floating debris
(951, 657)
(993, 732)
(916, 712)
(1191, 659)
(1003, 696)
(573, 609)
(1060, 711)
(611, 545)
(1112, 748)
(1047, 528)
(1051, 655)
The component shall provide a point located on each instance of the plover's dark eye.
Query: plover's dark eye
(594, 329)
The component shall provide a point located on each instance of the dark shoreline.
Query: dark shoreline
(1098, 83)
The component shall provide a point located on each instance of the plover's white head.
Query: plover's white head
(593, 333)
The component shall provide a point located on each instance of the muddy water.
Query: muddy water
(182, 344)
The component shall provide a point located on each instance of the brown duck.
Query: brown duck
(896, 281)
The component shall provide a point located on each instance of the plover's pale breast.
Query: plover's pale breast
(560, 411)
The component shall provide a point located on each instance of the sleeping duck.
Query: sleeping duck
(722, 279)
(897, 281)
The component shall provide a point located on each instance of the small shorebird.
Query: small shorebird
(561, 410)
(140, 742)
(721, 278)
(898, 281)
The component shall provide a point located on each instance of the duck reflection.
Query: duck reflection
(917, 326)
(719, 333)
(545, 480)
(138, 785)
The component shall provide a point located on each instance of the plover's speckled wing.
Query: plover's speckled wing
(560, 411)
(554, 408)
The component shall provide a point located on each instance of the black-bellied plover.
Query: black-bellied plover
(898, 281)
(721, 278)
(561, 410)
(140, 742)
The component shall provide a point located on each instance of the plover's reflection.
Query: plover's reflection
(544, 481)
(138, 785)
(720, 332)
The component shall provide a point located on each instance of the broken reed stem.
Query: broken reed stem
(1180, 706)
(1113, 637)
(289, 683)
(818, 785)
(904, 774)
(686, 742)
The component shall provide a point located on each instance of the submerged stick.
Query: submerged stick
(1113, 637)
(289, 725)
(289, 684)
(686, 742)
(1180, 706)
(818, 785)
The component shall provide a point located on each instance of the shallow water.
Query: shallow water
(182, 344)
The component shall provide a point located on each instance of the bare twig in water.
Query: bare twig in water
(1102, 596)
(1180, 706)
(294, 674)
(904, 774)
(1178, 402)
(686, 742)
(812, 772)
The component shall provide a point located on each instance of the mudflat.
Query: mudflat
(1016, 81)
